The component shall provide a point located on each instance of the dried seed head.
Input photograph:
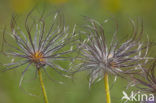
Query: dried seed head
(49, 43)
(118, 58)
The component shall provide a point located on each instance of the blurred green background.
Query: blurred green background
(73, 90)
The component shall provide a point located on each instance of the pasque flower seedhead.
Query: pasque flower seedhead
(117, 58)
(40, 46)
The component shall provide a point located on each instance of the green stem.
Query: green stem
(107, 88)
(42, 86)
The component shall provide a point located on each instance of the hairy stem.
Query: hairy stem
(42, 86)
(107, 88)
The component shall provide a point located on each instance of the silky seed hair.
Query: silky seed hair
(98, 58)
(39, 47)
(145, 81)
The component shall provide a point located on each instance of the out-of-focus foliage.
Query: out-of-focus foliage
(4, 12)
(57, 1)
(138, 6)
(20, 6)
(128, 6)
(111, 5)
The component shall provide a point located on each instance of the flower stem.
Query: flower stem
(107, 88)
(42, 86)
